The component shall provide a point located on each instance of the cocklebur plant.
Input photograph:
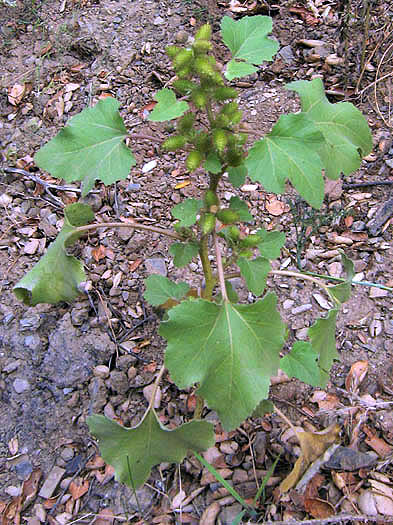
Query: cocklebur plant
(228, 350)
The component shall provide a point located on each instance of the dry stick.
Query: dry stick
(155, 387)
(135, 225)
(375, 85)
(220, 269)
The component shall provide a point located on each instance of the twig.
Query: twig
(135, 225)
(366, 184)
(340, 518)
(156, 383)
(220, 269)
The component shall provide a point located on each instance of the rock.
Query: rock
(51, 482)
(228, 514)
(79, 315)
(302, 308)
(119, 382)
(181, 37)
(33, 342)
(21, 385)
(33, 322)
(287, 55)
(101, 371)
(148, 392)
(158, 21)
(149, 166)
(23, 469)
(98, 394)
(156, 265)
(70, 358)
(260, 446)
(11, 366)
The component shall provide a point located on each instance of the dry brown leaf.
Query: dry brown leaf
(275, 207)
(319, 508)
(324, 400)
(105, 517)
(210, 514)
(16, 94)
(78, 488)
(313, 445)
(376, 443)
(356, 376)
(99, 253)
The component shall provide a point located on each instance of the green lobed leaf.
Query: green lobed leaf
(241, 207)
(271, 243)
(265, 407)
(255, 272)
(237, 175)
(342, 292)
(57, 275)
(231, 292)
(345, 130)
(290, 151)
(230, 350)
(160, 289)
(213, 163)
(247, 39)
(322, 335)
(183, 252)
(187, 212)
(168, 107)
(89, 148)
(136, 450)
(302, 363)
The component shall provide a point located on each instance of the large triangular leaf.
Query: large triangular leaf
(89, 148)
(237, 175)
(187, 212)
(302, 363)
(247, 39)
(136, 450)
(255, 272)
(230, 350)
(57, 275)
(289, 151)
(168, 106)
(346, 132)
(342, 292)
(271, 243)
(183, 252)
(322, 335)
(160, 289)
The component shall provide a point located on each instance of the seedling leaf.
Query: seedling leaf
(237, 175)
(302, 363)
(89, 148)
(322, 335)
(346, 132)
(230, 350)
(146, 445)
(168, 107)
(255, 272)
(342, 292)
(187, 212)
(213, 163)
(271, 243)
(160, 289)
(247, 39)
(241, 207)
(183, 252)
(289, 151)
(57, 275)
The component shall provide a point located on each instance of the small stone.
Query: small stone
(51, 482)
(148, 392)
(260, 444)
(67, 454)
(181, 37)
(131, 374)
(32, 341)
(11, 366)
(358, 226)
(101, 371)
(239, 476)
(286, 54)
(158, 21)
(378, 292)
(23, 470)
(79, 316)
(302, 334)
(156, 266)
(229, 513)
(32, 322)
(119, 382)
(302, 308)
(20, 385)
(288, 303)
(249, 187)
(13, 491)
(149, 166)
(133, 187)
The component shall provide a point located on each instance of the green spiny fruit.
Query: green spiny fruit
(220, 140)
(227, 216)
(217, 79)
(185, 72)
(236, 117)
(172, 51)
(224, 93)
(202, 142)
(211, 199)
(234, 158)
(201, 46)
(203, 67)
(194, 160)
(174, 143)
(182, 59)
(207, 223)
(230, 108)
(199, 98)
(222, 121)
(185, 124)
(184, 86)
(233, 232)
(204, 32)
(251, 241)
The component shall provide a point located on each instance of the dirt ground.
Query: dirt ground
(56, 59)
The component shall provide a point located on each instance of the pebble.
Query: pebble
(158, 21)
(260, 446)
(288, 303)
(229, 514)
(67, 454)
(302, 334)
(148, 392)
(23, 470)
(378, 292)
(302, 308)
(11, 366)
(249, 187)
(181, 37)
(32, 322)
(101, 371)
(119, 382)
(133, 187)
(13, 491)
(149, 166)
(32, 341)
(20, 385)
(156, 265)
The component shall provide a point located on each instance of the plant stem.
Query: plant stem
(155, 387)
(135, 225)
(199, 407)
(341, 280)
(214, 180)
(220, 269)
(303, 276)
(210, 281)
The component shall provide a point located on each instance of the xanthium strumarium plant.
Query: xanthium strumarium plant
(229, 350)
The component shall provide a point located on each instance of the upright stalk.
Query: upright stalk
(207, 268)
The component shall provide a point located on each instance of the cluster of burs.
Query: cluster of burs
(199, 78)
